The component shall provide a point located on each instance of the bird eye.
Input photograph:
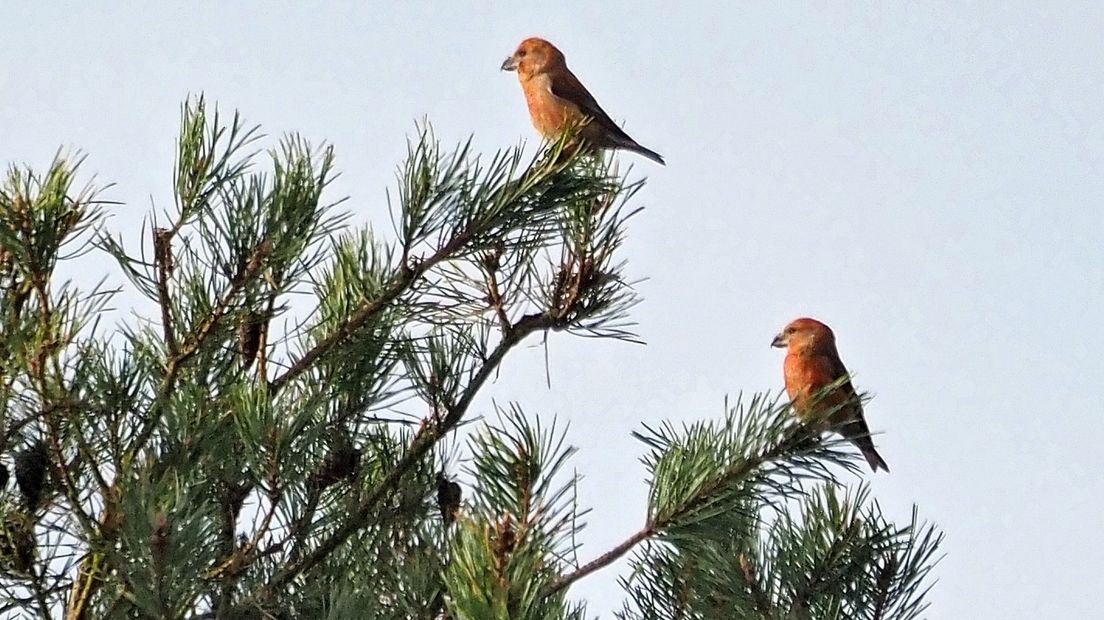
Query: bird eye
(789, 330)
(521, 52)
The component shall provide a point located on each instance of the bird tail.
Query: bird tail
(866, 446)
(856, 430)
(649, 153)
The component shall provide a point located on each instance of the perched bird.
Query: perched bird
(812, 364)
(557, 99)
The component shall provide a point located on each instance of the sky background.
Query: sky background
(926, 179)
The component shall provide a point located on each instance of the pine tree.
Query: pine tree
(232, 449)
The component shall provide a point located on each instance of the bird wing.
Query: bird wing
(566, 86)
(827, 369)
(834, 370)
(807, 375)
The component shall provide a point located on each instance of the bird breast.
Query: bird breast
(550, 114)
(806, 375)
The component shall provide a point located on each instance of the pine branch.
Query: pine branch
(146, 438)
(191, 347)
(601, 561)
(821, 578)
(401, 283)
(745, 468)
(421, 445)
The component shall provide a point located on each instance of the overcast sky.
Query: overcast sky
(928, 180)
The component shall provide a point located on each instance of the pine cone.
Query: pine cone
(249, 337)
(30, 473)
(448, 498)
(340, 464)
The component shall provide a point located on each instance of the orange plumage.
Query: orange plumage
(813, 364)
(557, 99)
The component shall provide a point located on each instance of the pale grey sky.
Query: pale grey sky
(927, 179)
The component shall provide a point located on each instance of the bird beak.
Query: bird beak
(510, 64)
(779, 342)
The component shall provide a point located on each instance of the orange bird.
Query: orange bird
(557, 99)
(812, 364)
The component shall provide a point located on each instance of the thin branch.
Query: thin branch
(84, 586)
(660, 523)
(421, 445)
(163, 258)
(490, 264)
(402, 282)
(84, 589)
(191, 348)
(601, 561)
(37, 371)
(40, 595)
(357, 319)
(262, 355)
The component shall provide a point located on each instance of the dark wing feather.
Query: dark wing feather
(831, 369)
(852, 424)
(568, 87)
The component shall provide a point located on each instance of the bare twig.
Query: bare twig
(163, 257)
(601, 561)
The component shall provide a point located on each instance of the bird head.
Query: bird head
(805, 335)
(533, 56)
